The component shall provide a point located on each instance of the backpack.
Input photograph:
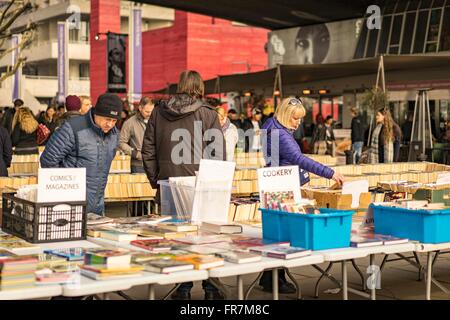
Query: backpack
(42, 133)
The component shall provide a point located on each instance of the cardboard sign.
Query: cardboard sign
(278, 181)
(355, 188)
(61, 185)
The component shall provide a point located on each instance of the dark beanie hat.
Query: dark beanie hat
(73, 103)
(108, 105)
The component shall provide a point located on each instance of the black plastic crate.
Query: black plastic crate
(43, 222)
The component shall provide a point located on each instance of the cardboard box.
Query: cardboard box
(335, 199)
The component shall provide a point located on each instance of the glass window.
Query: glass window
(420, 32)
(389, 8)
(401, 6)
(435, 19)
(396, 30)
(425, 4)
(385, 28)
(413, 5)
(408, 32)
(360, 47)
(373, 36)
(84, 70)
(445, 33)
(438, 3)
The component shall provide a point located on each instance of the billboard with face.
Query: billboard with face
(321, 43)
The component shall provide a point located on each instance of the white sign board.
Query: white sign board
(213, 191)
(61, 185)
(355, 188)
(279, 179)
(443, 178)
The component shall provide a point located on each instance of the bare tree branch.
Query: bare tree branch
(6, 10)
(13, 18)
(13, 70)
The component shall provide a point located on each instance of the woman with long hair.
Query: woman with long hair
(382, 140)
(49, 119)
(24, 132)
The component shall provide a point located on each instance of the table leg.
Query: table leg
(240, 287)
(323, 274)
(344, 280)
(373, 288)
(429, 275)
(275, 284)
(151, 292)
(252, 285)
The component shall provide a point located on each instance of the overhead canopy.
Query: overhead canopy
(334, 76)
(275, 14)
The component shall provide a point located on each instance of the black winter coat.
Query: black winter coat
(6, 150)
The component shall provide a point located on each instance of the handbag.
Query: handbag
(42, 133)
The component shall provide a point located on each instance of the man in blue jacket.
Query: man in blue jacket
(90, 142)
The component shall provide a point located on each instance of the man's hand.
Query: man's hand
(339, 178)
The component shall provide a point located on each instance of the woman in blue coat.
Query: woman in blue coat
(283, 150)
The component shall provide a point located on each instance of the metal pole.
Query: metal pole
(344, 280)
(275, 284)
(373, 285)
(240, 287)
(429, 275)
(151, 292)
(429, 121)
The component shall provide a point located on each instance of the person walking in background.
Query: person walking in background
(49, 120)
(86, 104)
(382, 140)
(406, 129)
(357, 132)
(184, 112)
(319, 136)
(255, 143)
(230, 133)
(329, 135)
(132, 134)
(397, 140)
(73, 107)
(24, 132)
(60, 111)
(8, 117)
(90, 142)
(6, 149)
(123, 118)
(234, 118)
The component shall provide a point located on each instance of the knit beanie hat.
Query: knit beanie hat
(73, 103)
(108, 105)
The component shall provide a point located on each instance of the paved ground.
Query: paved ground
(399, 280)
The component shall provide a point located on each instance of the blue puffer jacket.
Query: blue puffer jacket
(289, 152)
(80, 143)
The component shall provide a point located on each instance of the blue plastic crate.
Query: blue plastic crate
(327, 230)
(426, 226)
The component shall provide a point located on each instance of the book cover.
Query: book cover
(132, 268)
(178, 226)
(117, 235)
(361, 240)
(202, 262)
(111, 258)
(71, 254)
(142, 257)
(281, 252)
(221, 228)
(253, 242)
(203, 239)
(166, 266)
(154, 245)
(239, 257)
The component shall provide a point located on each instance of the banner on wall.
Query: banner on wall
(137, 54)
(116, 50)
(63, 62)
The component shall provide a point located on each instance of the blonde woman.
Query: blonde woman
(382, 141)
(285, 121)
(24, 132)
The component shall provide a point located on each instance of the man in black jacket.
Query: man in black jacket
(357, 134)
(179, 133)
(9, 115)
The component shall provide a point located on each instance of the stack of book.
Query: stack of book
(56, 270)
(104, 264)
(280, 251)
(121, 163)
(17, 272)
(244, 210)
(70, 254)
(367, 238)
(16, 182)
(17, 245)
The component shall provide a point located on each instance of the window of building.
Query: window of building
(361, 46)
(421, 29)
(395, 34)
(408, 32)
(372, 45)
(444, 44)
(433, 31)
(84, 70)
(384, 36)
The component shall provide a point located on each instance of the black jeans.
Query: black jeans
(266, 279)
(187, 286)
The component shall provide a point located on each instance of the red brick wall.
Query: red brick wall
(209, 45)
(105, 16)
